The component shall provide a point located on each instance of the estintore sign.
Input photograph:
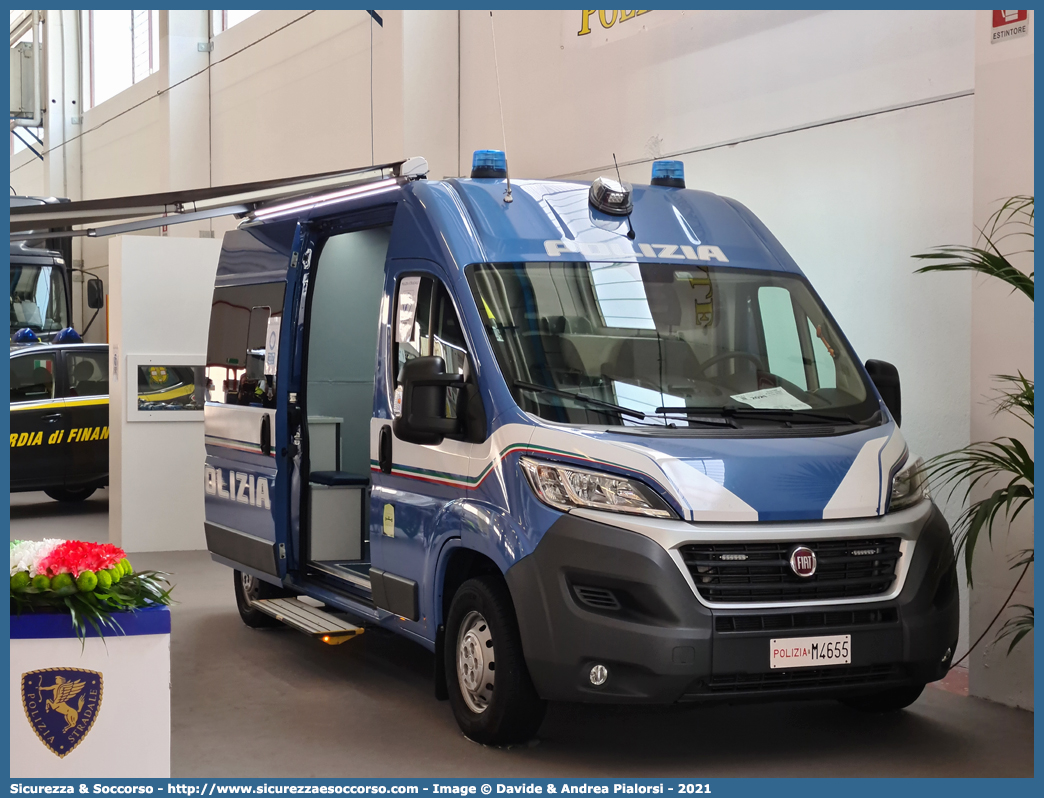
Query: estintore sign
(1009, 25)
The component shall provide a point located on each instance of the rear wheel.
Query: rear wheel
(70, 494)
(891, 700)
(493, 698)
(250, 589)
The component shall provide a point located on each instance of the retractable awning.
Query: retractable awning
(57, 220)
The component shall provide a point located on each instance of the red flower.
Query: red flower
(76, 556)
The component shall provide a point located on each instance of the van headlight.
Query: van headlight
(909, 486)
(567, 488)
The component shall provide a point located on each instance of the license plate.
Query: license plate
(810, 652)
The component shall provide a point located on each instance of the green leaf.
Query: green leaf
(1013, 220)
(96, 610)
(1017, 627)
(1018, 400)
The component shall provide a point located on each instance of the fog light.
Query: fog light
(599, 674)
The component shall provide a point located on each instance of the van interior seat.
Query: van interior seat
(563, 360)
(632, 358)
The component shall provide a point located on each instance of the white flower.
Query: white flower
(27, 554)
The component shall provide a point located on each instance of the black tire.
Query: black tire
(250, 589)
(503, 706)
(70, 494)
(891, 700)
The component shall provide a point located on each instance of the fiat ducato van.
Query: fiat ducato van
(583, 442)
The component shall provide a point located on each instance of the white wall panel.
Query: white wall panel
(28, 175)
(686, 79)
(297, 102)
(160, 290)
(430, 100)
(1002, 343)
(125, 144)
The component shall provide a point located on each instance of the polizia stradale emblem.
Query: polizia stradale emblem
(61, 705)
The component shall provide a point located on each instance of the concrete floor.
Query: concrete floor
(275, 703)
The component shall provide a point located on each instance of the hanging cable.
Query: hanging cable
(500, 101)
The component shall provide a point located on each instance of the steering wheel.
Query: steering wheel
(713, 361)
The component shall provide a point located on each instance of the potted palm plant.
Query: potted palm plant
(1003, 467)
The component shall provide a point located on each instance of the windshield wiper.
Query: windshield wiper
(786, 414)
(580, 397)
(692, 416)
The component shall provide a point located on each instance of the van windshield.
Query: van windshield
(605, 343)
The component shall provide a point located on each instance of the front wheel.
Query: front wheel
(891, 700)
(250, 589)
(493, 698)
(70, 494)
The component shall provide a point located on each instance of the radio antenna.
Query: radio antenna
(630, 227)
(500, 101)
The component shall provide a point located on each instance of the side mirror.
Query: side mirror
(95, 294)
(886, 377)
(423, 418)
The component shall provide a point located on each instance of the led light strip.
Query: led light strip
(315, 202)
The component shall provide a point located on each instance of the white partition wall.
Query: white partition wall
(160, 291)
(1001, 341)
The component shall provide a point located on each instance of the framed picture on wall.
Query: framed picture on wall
(165, 387)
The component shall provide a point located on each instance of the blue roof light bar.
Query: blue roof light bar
(489, 163)
(668, 173)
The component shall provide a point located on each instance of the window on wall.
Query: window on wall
(32, 135)
(122, 48)
(223, 20)
(25, 136)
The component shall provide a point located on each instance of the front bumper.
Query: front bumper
(642, 620)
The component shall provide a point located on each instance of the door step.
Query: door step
(310, 620)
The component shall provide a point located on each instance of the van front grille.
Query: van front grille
(761, 572)
(797, 621)
(799, 679)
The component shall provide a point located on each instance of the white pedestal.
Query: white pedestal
(120, 715)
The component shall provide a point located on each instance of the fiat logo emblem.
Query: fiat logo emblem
(803, 561)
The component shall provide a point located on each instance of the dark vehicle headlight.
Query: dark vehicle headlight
(909, 486)
(566, 488)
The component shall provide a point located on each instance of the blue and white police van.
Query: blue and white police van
(585, 442)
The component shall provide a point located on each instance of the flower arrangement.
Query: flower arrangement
(90, 581)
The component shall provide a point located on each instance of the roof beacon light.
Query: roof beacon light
(610, 196)
(489, 163)
(668, 173)
(26, 336)
(68, 336)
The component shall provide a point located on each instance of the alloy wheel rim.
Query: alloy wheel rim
(475, 662)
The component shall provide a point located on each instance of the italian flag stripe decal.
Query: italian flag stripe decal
(471, 483)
